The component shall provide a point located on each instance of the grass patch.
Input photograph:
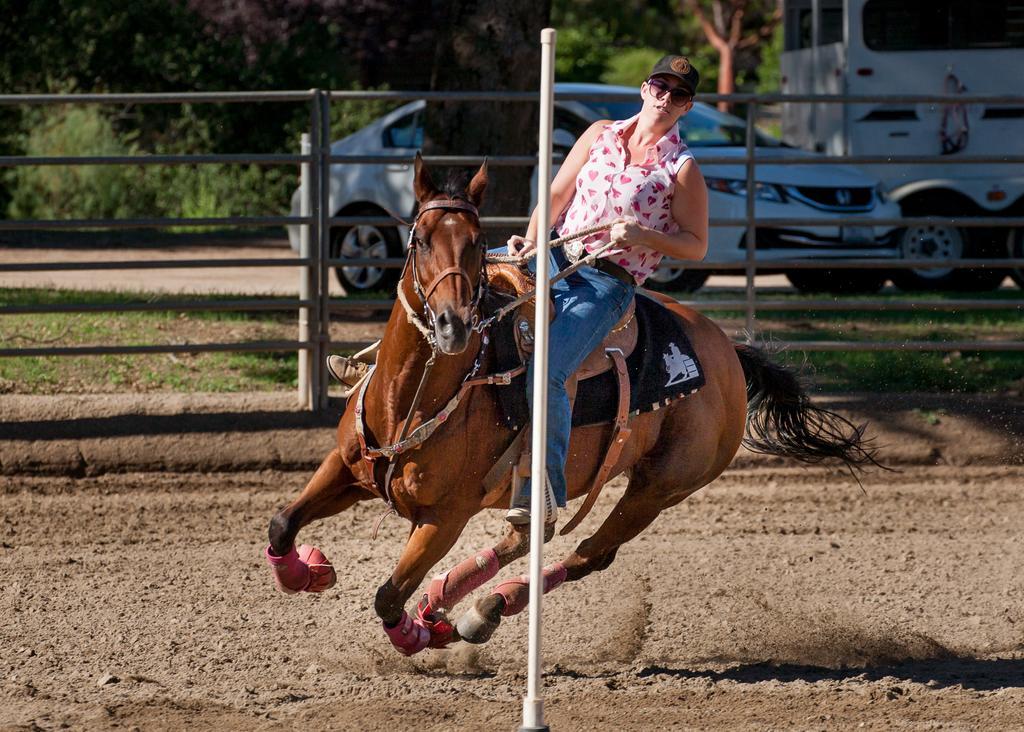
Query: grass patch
(938, 371)
(148, 372)
(966, 372)
(895, 371)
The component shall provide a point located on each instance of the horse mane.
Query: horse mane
(453, 188)
(455, 185)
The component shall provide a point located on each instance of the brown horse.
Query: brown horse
(433, 349)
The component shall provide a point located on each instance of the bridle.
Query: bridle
(428, 328)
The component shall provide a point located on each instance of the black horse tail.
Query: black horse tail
(782, 421)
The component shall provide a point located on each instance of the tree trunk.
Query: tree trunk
(488, 46)
(726, 74)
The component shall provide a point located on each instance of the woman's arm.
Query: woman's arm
(562, 188)
(690, 211)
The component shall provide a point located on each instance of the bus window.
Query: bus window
(920, 25)
(798, 25)
(831, 30)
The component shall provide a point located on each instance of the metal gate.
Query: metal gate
(315, 307)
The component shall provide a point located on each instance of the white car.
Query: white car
(817, 192)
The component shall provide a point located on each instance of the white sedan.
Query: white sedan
(816, 192)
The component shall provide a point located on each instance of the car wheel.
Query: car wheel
(365, 242)
(837, 281)
(1016, 251)
(677, 279)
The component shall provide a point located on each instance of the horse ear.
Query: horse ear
(423, 184)
(478, 185)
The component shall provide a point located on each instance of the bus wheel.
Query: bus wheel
(941, 243)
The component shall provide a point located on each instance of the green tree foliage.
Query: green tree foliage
(351, 115)
(84, 191)
(124, 191)
(159, 46)
(209, 45)
(164, 45)
(631, 66)
(604, 40)
(583, 53)
(612, 25)
(769, 73)
(736, 29)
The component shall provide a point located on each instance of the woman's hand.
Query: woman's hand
(627, 231)
(520, 246)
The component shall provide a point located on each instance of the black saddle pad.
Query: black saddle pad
(663, 367)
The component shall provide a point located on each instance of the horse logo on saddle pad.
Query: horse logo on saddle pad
(679, 365)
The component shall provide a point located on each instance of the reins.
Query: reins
(590, 258)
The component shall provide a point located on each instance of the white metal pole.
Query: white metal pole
(533, 704)
(305, 275)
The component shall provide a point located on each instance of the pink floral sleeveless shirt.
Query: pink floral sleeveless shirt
(607, 188)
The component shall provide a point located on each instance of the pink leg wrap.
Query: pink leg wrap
(409, 636)
(517, 591)
(447, 589)
(304, 570)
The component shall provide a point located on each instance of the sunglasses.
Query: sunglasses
(678, 96)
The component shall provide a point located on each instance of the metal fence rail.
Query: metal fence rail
(261, 305)
(154, 264)
(248, 346)
(315, 308)
(965, 221)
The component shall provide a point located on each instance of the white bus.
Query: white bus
(918, 47)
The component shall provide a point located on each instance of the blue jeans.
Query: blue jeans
(588, 304)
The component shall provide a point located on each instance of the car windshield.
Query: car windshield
(707, 127)
(613, 110)
(703, 126)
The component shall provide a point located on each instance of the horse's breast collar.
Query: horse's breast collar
(415, 438)
(423, 432)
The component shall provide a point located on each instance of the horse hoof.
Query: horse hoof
(475, 627)
(321, 574)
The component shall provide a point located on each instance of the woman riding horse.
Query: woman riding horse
(639, 174)
(426, 429)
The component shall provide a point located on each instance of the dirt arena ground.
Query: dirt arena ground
(777, 598)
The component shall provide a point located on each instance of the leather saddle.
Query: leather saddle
(610, 354)
(622, 338)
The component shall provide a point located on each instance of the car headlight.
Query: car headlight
(762, 191)
(881, 193)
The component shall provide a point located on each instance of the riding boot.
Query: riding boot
(350, 370)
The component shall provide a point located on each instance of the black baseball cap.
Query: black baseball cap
(679, 67)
